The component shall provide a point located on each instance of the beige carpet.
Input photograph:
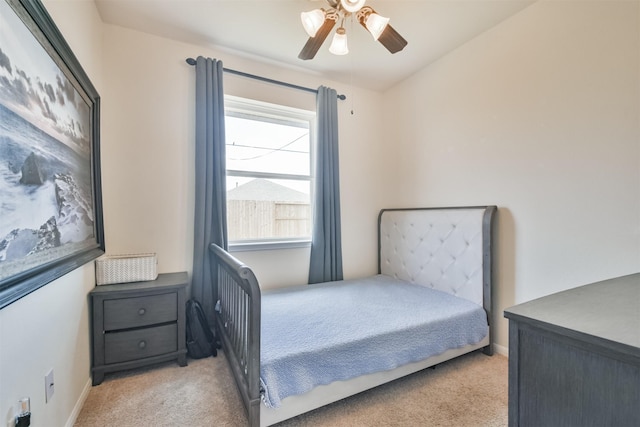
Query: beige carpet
(468, 391)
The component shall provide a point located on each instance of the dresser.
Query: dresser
(574, 357)
(138, 324)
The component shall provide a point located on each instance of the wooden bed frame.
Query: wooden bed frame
(238, 312)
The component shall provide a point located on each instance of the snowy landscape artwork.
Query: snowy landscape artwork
(47, 210)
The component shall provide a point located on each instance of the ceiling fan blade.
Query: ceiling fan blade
(313, 44)
(392, 40)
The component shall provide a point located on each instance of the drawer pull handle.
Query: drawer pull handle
(142, 344)
(142, 311)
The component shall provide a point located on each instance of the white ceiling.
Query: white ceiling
(270, 30)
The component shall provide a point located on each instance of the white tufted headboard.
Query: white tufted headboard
(448, 249)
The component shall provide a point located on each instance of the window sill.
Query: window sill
(268, 245)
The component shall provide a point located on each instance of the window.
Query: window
(269, 174)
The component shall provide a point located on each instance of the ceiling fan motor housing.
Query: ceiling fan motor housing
(352, 5)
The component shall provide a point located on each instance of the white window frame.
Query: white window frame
(242, 107)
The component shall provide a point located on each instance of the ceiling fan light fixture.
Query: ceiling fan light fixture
(376, 24)
(339, 43)
(352, 5)
(312, 21)
(320, 22)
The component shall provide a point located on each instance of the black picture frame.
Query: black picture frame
(63, 174)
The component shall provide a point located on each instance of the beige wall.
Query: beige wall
(49, 328)
(540, 116)
(148, 150)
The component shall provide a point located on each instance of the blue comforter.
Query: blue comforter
(318, 334)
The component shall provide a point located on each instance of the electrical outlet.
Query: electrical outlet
(48, 386)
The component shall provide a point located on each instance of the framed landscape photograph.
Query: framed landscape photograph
(50, 198)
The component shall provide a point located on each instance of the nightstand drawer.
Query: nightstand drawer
(140, 311)
(140, 343)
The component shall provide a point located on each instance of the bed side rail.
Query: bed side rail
(238, 324)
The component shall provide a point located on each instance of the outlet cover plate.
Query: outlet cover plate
(48, 386)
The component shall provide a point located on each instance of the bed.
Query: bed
(296, 349)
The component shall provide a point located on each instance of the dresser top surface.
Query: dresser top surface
(608, 310)
(164, 280)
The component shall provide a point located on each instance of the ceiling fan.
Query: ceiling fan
(318, 24)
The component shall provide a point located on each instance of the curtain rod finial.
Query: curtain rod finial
(342, 97)
(191, 61)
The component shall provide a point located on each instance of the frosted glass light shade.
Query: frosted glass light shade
(376, 24)
(352, 5)
(339, 43)
(312, 21)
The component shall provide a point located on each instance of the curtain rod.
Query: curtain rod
(192, 61)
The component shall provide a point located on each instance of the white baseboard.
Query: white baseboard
(501, 349)
(79, 404)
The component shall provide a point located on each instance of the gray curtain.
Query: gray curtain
(210, 218)
(326, 244)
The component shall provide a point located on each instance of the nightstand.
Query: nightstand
(138, 324)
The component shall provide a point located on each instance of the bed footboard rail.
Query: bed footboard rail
(237, 322)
